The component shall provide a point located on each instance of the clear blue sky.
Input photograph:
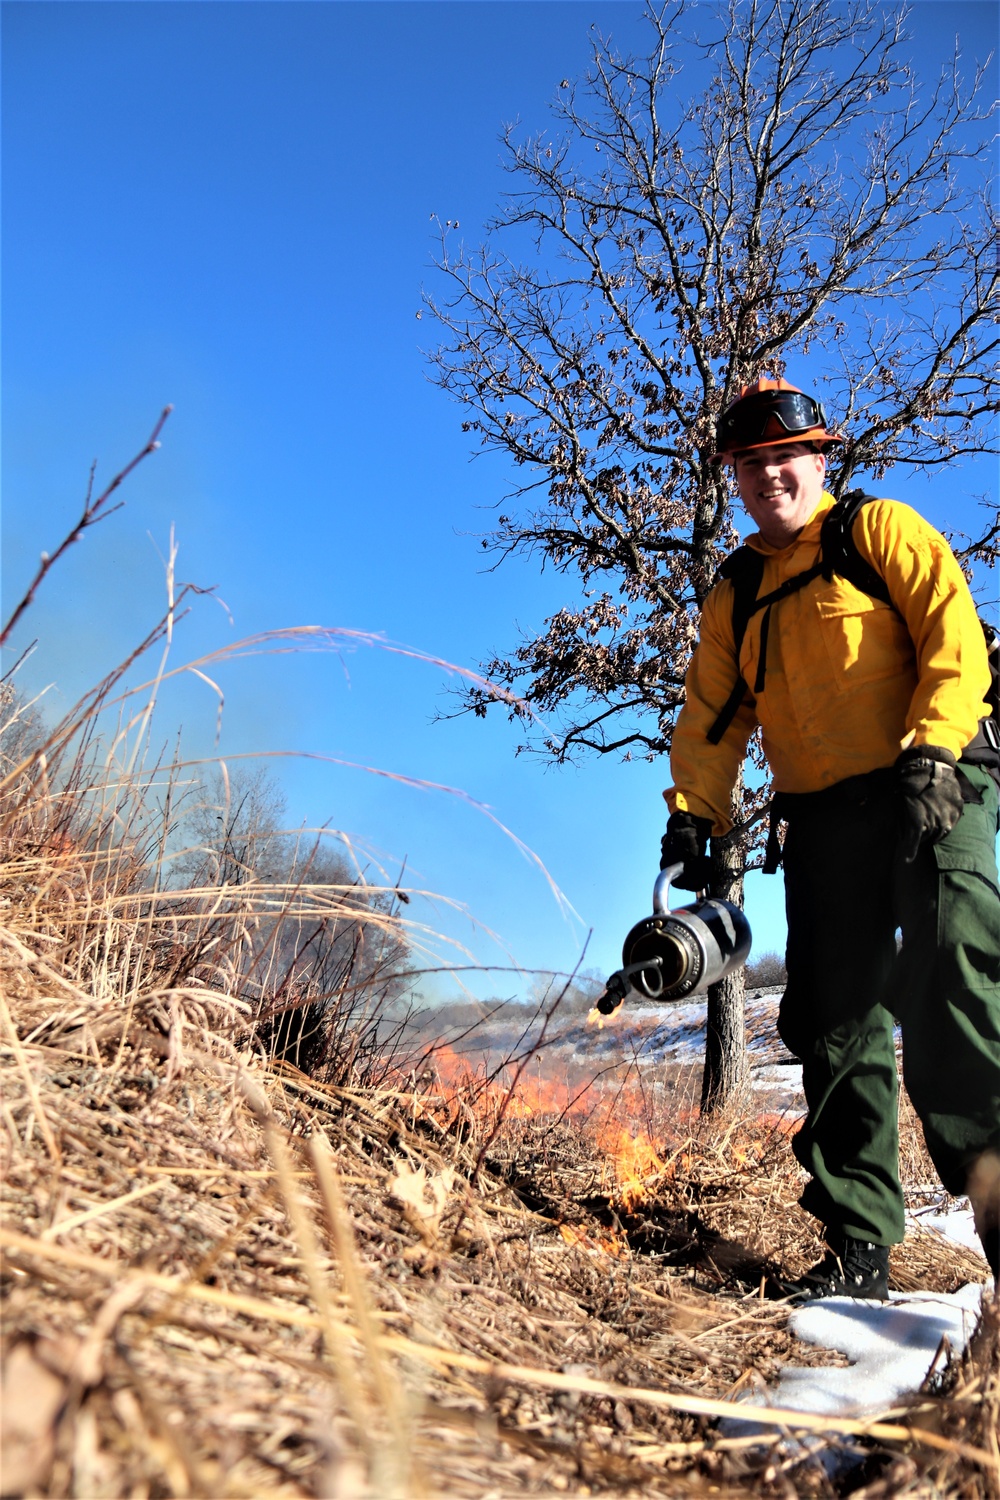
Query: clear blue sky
(228, 206)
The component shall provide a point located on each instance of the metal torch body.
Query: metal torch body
(675, 954)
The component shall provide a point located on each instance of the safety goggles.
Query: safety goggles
(747, 422)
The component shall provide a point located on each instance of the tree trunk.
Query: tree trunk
(725, 1032)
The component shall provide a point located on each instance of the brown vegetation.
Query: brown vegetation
(225, 1278)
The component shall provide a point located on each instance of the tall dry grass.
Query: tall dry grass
(300, 963)
(155, 900)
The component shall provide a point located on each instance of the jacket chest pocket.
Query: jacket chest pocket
(864, 640)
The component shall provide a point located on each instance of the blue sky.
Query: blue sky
(228, 206)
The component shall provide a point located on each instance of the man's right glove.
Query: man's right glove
(684, 843)
(930, 796)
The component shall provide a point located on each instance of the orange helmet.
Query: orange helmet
(770, 412)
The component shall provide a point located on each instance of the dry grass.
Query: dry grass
(224, 1279)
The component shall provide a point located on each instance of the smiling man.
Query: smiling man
(847, 632)
(780, 487)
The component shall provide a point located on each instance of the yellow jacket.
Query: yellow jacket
(849, 681)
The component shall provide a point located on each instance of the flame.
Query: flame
(521, 1096)
(536, 1095)
(598, 1019)
(785, 1124)
(613, 1244)
(635, 1160)
(632, 1161)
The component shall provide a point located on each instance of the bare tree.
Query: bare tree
(22, 731)
(767, 971)
(234, 830)
(654, 254)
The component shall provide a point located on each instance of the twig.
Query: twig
(518, 1072)
(74, 1221)
(335, 1333)
(20, 661)
(287, 1313)
(93, 511)
(774, 1416)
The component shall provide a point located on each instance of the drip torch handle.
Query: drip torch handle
(661, 889)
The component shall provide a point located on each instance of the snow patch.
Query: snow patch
(954, 1223)
(890, 1346)
(787, 1076)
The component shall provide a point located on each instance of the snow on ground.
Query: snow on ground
(955, 1223)
(890, 1346)
(783, 1078)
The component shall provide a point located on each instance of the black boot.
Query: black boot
(850, 1268)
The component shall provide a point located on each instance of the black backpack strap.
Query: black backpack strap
(745, 569)
(727, 712)
(839, 551)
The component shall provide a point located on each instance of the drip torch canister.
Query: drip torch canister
(675, 954)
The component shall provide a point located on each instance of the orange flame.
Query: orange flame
(612, 1244)
(632, 1161)
(521, 1096)
(635, 1159)
(597, 1017)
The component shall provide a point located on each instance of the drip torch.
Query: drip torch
(674, 954)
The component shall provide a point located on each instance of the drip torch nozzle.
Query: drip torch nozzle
(613, 996)
(617, 985)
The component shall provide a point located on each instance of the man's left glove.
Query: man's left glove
(684, 843)
(930, 796)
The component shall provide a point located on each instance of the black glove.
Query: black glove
(930, 797)
(684, 843)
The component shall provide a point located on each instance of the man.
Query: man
(867, 705)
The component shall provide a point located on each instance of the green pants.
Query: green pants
(846, 893)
